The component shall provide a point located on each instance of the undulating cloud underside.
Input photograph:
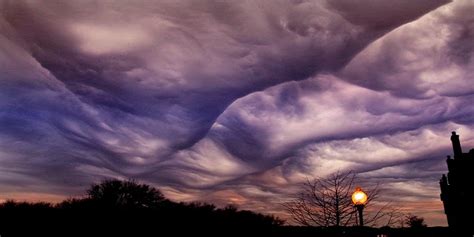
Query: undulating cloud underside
(233, 101)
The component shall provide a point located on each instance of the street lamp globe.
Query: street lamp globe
(359, 197)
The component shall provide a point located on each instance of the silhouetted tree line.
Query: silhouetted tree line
(127, 208)
(117, 207)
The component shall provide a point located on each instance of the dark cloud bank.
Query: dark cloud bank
(233, 101)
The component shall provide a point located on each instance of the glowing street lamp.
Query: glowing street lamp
(359, 198)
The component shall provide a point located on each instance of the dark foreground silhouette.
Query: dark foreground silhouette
(116, 207)
(125, 208)
(457, 191)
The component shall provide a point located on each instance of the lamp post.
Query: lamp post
(359, 198)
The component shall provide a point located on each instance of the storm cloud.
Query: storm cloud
(232, 101)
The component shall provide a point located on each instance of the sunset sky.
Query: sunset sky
(234, 101)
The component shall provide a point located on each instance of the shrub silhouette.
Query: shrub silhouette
(413, 221)
(13, 205)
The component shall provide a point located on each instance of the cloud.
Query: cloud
(273, 123)
(426, 58)
(110, 39)
(181, 65)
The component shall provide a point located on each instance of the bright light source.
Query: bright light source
(359, 197)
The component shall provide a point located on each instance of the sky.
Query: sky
(234, 102)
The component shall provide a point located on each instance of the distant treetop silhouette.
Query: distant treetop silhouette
(126, 194)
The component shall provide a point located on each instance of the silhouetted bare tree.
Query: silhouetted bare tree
(327, 202)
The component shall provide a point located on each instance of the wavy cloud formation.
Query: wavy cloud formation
(233, 101)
